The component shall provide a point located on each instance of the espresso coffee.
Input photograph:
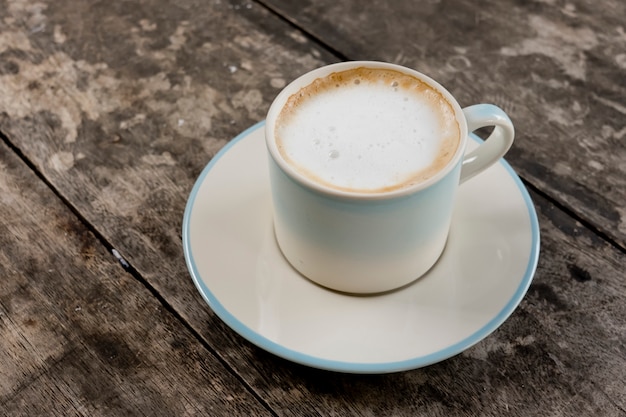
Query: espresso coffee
(367, 130)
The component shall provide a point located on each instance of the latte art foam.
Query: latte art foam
(367, 130)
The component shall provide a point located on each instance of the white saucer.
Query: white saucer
(236, 265)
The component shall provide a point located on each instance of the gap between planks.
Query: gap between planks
(129, 268)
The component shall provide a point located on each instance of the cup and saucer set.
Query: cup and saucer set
(236, 262)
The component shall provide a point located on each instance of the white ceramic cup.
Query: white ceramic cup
(368, 243)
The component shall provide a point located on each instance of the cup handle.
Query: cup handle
(495, 146)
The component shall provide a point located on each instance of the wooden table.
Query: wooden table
(110, 110)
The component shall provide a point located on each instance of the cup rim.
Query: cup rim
(308, 78)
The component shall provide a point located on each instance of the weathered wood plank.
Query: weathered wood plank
(79, 335)
(558, 68)
(129, 102)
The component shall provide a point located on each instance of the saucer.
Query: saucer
(235, 263)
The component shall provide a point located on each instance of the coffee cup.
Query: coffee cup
(365, 160)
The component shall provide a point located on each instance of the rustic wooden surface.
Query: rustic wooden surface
(79, 335)
(110, 110)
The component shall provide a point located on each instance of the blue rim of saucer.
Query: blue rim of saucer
(356, 367)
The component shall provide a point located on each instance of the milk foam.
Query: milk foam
(367, 130)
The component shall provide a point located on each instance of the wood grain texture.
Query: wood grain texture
(79, 335)
(120, 106)
(557, 67)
